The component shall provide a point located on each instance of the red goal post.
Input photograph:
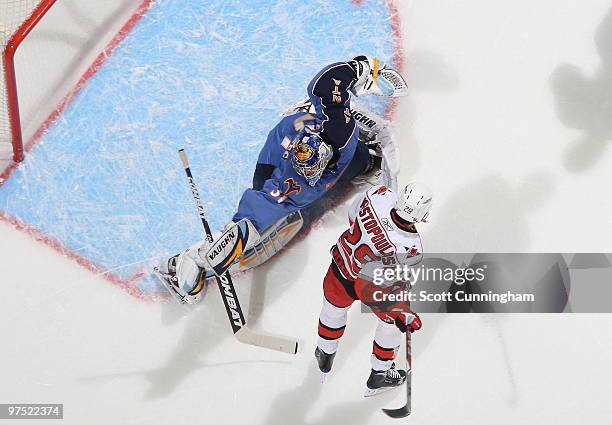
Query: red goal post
(17, 19)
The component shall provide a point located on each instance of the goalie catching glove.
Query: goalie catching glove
(374, 78)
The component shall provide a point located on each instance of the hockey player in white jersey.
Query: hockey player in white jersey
(381, 233)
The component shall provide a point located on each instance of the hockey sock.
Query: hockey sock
(386, 344)
(332, 322)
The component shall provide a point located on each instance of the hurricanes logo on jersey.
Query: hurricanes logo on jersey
(381, 191)
(413, 251)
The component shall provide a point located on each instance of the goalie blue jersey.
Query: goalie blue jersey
(277, 188)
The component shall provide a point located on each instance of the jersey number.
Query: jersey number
(362, 253)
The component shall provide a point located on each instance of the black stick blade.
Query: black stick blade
(402, 412)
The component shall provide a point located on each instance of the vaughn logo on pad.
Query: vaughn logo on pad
(222, 244)
(231, 245)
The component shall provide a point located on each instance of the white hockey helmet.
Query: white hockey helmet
(413, 202)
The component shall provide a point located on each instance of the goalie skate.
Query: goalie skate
(167, 281)
(171, 277)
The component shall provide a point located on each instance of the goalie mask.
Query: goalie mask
(310, 156)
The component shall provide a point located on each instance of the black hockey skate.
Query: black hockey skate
(324, 360)
(381, 381)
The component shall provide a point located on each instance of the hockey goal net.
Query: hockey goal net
(17, 19)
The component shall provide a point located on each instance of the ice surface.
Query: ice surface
(480, 119)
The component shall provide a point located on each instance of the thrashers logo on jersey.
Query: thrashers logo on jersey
(292, 187)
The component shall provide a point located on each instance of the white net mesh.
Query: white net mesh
(13, 13)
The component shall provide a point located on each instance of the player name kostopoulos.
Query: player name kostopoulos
(460, 296)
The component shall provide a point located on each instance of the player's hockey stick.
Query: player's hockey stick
(228, 292)
(405, 410)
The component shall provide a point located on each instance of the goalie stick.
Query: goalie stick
(228, 292)
(405, 410)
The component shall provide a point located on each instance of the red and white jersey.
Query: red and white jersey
(376, 233)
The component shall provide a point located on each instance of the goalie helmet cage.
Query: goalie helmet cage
(17, 19)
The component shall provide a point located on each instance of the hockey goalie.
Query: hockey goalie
(319, 143)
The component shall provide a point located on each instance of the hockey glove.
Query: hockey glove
(407, 321)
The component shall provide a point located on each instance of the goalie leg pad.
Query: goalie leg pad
(271, 241)
(237, 238)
